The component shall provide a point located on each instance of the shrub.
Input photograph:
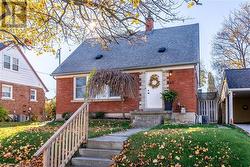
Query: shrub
(3, 114)
(50, 109)
(34, 118)
(99, 115)
(66, 115)
(169, 95)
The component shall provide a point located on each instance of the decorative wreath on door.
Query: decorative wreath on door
(154, 81)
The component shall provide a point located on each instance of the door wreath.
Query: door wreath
(154, 81)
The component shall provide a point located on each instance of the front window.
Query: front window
(107, 94)
(80, 86)
(33, 95)
(15, 64)
(7, 91)
(6, 63)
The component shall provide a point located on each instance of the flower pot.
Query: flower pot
(168, 105)
(183, 110)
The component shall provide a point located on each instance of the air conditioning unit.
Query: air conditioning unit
(203, 119)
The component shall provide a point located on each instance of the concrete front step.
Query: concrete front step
(149, 119)
(90, 162)
(100, 150)
(98, 153)
(107, 142)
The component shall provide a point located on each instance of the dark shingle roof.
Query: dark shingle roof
(238, 78)
(1, 45)
(181, 43)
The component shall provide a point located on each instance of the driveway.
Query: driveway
(245, 127)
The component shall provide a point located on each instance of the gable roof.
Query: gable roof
(181, 43)
(2, 46)
(25, 58)
(238, 78)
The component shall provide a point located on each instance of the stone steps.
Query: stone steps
(149, 119)
(90, 162)
(99, 151)
(107, 142)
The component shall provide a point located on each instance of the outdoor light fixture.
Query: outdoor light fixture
(170, 73)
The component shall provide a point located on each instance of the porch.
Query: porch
(237, 106)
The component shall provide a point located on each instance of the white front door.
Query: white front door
(153, 93)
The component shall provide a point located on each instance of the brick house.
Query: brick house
(171, 53)
(22, 92)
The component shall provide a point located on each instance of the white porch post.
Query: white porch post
(226, 112)
(231, 107)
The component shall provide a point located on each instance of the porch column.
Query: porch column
(231, 107)
(226, 112)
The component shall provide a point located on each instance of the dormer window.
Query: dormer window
(6, 63)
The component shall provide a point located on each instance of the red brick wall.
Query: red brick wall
(21, 102)
(64, 103)
(184, 82)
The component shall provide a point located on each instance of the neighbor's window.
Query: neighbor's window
(7, 92)
(80, 86)
(6, 61)
(32, 95)
(15, 63)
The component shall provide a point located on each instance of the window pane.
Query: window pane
(6, 61)
(80, 82)
(104, 94)
(6, 91)
(113, 94)
(80, 92)
(15, 64)
(80, 87)
(33, 95)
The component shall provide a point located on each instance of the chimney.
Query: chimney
(149, 23)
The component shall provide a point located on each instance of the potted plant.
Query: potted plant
(169, 96)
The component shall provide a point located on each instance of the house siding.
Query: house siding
(21, 103)
(184, 82)
(25, 74)
(65, 102)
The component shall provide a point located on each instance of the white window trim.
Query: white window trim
(4, 62)
(107, 96)
(74, 87)
(11, 92)
(35, 95)
(11, 63)
(15, 64)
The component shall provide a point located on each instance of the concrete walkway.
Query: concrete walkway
(245, 127)
(100, 150)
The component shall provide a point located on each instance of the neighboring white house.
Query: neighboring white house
(22, 90)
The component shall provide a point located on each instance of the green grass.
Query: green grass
(197, 145)
(19, 141)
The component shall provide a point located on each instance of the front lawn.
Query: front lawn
(19, 141)
(182, 145)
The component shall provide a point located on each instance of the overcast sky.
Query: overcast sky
(210, 16)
